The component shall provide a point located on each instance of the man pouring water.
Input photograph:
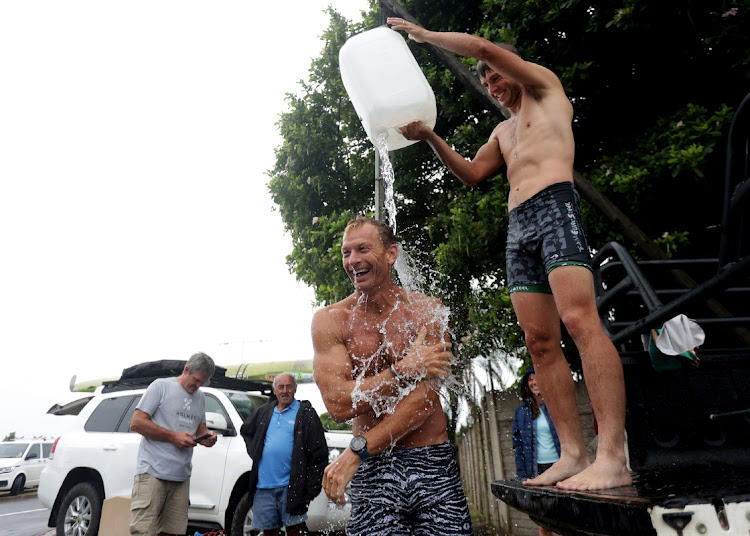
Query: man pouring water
(548, 262)
(381, 356)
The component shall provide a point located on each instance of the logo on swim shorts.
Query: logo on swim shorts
(573, 225)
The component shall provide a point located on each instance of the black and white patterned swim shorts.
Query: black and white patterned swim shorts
(409, 492)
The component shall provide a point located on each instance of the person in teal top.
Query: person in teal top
(535, 440)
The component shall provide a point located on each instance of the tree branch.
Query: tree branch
(629, 230)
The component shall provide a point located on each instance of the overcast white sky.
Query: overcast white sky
(135, 223)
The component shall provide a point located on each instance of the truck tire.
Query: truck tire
(17, 486)
(80, 511)
(242, 517)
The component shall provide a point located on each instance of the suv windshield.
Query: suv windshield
(12, 450)
(245, 403)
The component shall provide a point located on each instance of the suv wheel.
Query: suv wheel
(17, 486)
(80, 511)
(242, 518)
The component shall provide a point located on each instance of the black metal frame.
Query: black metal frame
(688, 428)
(732, 263)
(614, 256)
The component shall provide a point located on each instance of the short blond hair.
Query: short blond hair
(384, 230)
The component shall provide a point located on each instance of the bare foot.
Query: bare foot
(560, 470)
(604, 473)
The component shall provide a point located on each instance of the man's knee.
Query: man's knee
(542, 344)
(583, 324)
(575, 323)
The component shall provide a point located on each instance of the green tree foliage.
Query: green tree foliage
(653, 85)
(10, 437)
(323, 171)
(330, 424)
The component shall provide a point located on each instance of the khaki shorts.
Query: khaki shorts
(158, 506)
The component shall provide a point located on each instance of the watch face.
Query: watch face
(358, 443)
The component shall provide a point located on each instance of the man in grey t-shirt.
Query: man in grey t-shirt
(171, 417)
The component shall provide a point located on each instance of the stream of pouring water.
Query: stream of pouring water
(410, 276)
(386, 169)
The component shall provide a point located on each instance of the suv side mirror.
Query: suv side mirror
(217, 422)
(32, 456)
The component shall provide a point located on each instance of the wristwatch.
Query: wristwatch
(359, 446)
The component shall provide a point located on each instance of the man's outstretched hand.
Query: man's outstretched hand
(416, 130)
(416, 33)
(338, 475)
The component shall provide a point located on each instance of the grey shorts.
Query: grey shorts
(409, 492)
(544, 233)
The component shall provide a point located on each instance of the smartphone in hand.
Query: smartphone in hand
(201, 438)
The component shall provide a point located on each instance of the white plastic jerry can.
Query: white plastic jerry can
(386, 85)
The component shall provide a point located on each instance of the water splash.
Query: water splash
(413, 278)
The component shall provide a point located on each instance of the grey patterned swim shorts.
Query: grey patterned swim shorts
(544, 233)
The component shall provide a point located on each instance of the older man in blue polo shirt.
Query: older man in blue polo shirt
(287, 443)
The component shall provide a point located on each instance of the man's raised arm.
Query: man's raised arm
(487, 160)
(500, 60)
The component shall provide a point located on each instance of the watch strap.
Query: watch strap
(362, 451)
(363, 454)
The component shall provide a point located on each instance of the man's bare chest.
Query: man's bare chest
(372, 345)
(520, 133)
(535, 131)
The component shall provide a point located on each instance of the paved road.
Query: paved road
(23, 515)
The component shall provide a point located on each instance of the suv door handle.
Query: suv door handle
(110, 447)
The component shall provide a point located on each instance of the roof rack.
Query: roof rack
(143, 374)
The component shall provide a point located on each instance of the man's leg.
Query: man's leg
(573, 291)
(295, 530)
(146, 504)
(294, 524)
(267, 515)
(173, 519)
(540, 322)
(439, 506)
(377, 495)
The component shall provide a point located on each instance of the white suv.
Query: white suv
(21, 463)
(98, 461)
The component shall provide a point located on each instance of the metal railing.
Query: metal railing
(624, 290)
